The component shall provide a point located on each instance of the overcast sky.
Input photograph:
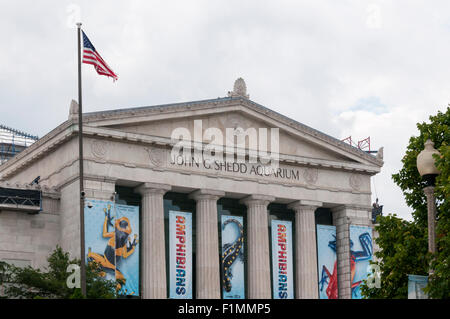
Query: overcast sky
(359, 68)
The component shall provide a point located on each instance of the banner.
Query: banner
(232, 258)
(326, 261)
(361, 251)
(127, 253)
(111, 240)
(99, 242)
(180, 255)
(282, 264)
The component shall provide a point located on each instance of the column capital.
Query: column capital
(152, 188)
(99, 187)
(208, 194)
(351, 206)
(106, 179)
(153, 248)
(257, 199)
(305, 205)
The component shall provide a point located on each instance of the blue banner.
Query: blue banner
(180, 255)
(282, 264)
(127, 248)
(361, 251)
(326, 262)
(232, 258)
(111, 240)
(99, 235)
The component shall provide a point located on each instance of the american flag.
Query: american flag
(91, 56)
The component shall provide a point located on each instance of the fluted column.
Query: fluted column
(258, 246)
(343, 217)
(341, 220)
(207, 244)
(306, 279)
(153, 244)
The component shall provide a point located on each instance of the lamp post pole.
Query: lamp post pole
(427, 169)
(431, 207)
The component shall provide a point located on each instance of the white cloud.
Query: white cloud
(344, 67)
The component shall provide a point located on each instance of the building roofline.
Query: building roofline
(102, 115)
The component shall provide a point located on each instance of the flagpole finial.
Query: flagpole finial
(79, 24)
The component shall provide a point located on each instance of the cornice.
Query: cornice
(228, 102)
(41, 147)
(158, 141)
(312, 132)
(69, 128)
(65, 133)
(157, 109)
(174, 170)
(346, 207)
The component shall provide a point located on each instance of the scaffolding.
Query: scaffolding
(13, 141)
(21, 199)
(363, 145)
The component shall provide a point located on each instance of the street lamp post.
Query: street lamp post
(427, 169)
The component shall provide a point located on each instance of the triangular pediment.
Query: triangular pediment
(295, 139)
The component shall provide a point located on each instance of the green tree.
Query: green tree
(404, 245)
(403, 250)
(51, 282)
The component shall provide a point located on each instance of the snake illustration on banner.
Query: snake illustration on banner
(231, 252)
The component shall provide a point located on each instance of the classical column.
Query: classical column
(258, 246)
(153, 244)
(343, 216)
(207, 244)
(341, 220)
(306, 279)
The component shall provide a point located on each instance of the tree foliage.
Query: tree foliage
(404, 245)
(403, 250)
(28, 282)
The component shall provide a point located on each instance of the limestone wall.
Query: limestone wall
(29, 239)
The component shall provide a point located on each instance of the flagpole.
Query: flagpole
(80, 143)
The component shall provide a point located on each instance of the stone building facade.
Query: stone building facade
(131, 149)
